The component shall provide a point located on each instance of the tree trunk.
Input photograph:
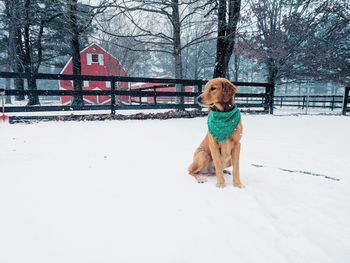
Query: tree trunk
(15, 52)
(75, 46)
(17, 62)
(219, 69)
(271, 71)
(226, 35)
(177, 47)
(8, 85)
(28, 63)
(33, 99)
(236, 65)
(271, 78)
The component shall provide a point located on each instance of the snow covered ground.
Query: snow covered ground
(118, 191)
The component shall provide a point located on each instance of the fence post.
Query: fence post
(270, 91)
(154, 97)
(2, 94)
(346, 100)
(333, 101)
(112, 95)
(199, 89)
(304, 98)
(266, 99)
(307, 100)
(31, 82)
(180, 100)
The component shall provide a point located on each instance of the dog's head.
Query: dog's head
(218, 94)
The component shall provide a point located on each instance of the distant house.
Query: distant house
(95, 61)
(158, 87)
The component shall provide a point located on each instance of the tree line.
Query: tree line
(37, 32)
(278, 41)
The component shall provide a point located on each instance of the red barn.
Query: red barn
(153, 86)
(95, 61)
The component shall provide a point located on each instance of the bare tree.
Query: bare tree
(326, 55)
(228, 17)
(158, 26)
(78, 22)
(13, 14)
(76, 28)
(34, 28)
(75, 48)
(37, 18)
(286, 33)
(26, 21)
(126, 49)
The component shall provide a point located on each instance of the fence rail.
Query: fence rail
(265, 103)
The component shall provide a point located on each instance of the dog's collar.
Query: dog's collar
(222, 124)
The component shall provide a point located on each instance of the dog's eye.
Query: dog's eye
(212, 88)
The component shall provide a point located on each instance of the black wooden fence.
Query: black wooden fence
(309, 101)
(264, 102)
(315, 101)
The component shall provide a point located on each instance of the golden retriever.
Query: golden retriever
(212, 157)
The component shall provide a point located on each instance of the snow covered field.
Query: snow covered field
(118, 191)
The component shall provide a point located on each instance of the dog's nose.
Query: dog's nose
(199, 99)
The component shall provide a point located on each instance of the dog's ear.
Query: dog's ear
(228, 90)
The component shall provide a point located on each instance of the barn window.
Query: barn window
(94, 58)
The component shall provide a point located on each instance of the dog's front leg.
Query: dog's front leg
(215, 154)
(235, 162)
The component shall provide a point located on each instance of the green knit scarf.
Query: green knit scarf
(222, 124)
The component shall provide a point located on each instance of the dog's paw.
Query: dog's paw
(220, 184)
(238, 184)
(201, 179)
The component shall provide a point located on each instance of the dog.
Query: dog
(217, 153)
